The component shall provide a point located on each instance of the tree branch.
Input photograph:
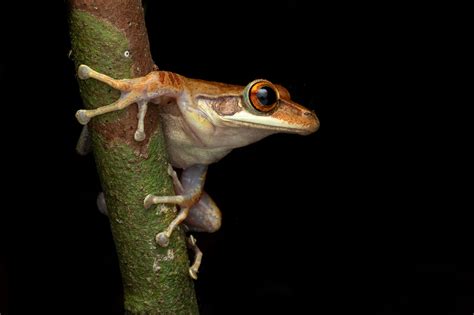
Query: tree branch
(110, 36)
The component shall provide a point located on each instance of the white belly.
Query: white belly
(186, 149)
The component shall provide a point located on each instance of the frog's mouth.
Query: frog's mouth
(288, 117)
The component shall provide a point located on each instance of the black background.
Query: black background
(363, 216)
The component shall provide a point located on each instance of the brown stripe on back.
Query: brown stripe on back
(162, 77)
(171, 78)
(177, 79)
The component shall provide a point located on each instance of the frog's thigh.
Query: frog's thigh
(204, 216)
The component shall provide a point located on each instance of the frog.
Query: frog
(202, 122)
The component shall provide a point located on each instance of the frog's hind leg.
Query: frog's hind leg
(189, 192)
(204, 216)
(193, 270)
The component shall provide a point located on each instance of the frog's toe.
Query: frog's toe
(84, 72)
(81, 116)
(193, 273)
(162, 239)
(148, 201)
(139, 135)
(171, 172)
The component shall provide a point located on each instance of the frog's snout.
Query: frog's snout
(313, 121)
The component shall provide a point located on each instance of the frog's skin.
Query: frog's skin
(203, 121)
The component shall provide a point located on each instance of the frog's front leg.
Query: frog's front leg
(139, 90)
(192, 182)
(129, 95)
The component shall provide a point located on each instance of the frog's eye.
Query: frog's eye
(262, 95)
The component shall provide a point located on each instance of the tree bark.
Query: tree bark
(110, 36)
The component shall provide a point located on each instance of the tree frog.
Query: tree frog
(202, 122)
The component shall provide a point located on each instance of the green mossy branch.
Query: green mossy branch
(156, 280)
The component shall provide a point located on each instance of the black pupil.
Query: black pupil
(266, 96)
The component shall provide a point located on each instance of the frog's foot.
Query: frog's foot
(204, 215)
(192, 182)
(193, 270)
(125, 100)
(163, 238)
(132, 91)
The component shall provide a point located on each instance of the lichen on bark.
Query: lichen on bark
(155, 279)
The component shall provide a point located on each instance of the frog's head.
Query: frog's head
(266, 106)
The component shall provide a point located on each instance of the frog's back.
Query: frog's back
(210, 88)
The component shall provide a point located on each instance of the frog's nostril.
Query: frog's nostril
(309, 113)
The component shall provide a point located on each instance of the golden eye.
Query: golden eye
(262, 95)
